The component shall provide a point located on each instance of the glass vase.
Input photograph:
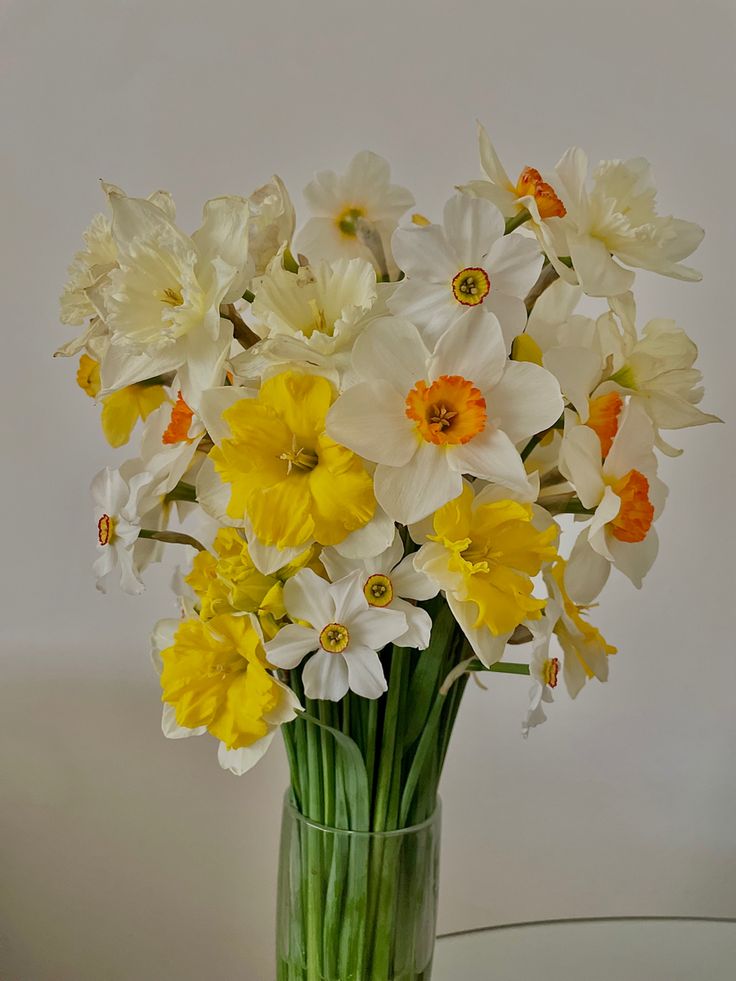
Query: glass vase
(356, 905)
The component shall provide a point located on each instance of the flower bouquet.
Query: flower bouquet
(363, 435)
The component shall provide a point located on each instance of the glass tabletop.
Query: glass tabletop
(635, 949)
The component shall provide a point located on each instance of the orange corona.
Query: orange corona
(181, 419)
(635, 516)
(603, 414)
(549, 205)
(449, 411)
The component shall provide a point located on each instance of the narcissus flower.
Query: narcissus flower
(627, 497)
(271, 224)
(614, 224)
(121, 410)
(292, 481)
(363, 194)
(389, 580)
(427, 419)
(343, 633)
(465, 268)
(484, 553)
(118, 517)
(215, 676)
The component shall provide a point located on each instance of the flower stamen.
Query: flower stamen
(334, 638)
(378, 590)
(471, 286)
(105, 529)
(449, 411)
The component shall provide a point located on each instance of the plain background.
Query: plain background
(127, 857)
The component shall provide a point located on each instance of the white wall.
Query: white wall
(129, 858)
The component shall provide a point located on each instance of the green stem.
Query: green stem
(172, 538)
(517, 220)
(182, 492)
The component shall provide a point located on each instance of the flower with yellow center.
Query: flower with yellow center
(117, 504)
(464, 268)
(292, 481)
(121, 410)
(341, 632)
(229, 582)
(215, 675)
(364, 195)
(390, 581)
(624, 493)
(427, 419)
(484, 553)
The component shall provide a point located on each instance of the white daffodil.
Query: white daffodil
(171, 437)
(388, 581)
(343, 635)
(162, 302)
(656, 369)
(627, 497)
(614, 224)
(354, 214)
(319, 310)
(427, 419)
(543, 671)
(464, 268)
(271, 224)
(118, 515)
(237, 761)
(531, 192)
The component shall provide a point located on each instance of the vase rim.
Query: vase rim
(412, 829)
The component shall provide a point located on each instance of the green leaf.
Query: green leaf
(354, 776)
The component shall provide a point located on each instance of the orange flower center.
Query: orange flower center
(550, 670)
(603, 418)
(181, 419)
(636, 513)
(105, 529)
(549, 205)
(471, 286)
(449, 411)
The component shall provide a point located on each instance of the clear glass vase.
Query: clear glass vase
(356, 905)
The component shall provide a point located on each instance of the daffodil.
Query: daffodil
(484, 553)
(389, 580)
(291, 480)
(363, 198)
(341, 631)
(614, 224)
(118, 514)
(121, 410)
(215, 677)
(624, 492)
(271, 224)
(544, 672)
(427, 419)
(465, 268)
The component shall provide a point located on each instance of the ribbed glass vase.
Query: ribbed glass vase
(356, 905)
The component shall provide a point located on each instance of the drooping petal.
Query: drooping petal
(586, 572)
(325, 676)
(365, 672)
(634, 559)
(239, 761)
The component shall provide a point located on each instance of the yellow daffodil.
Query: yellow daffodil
(484, 553)
(215, 674)
(121, 410)
(294, 483)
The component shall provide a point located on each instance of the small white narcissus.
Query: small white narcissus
(343, 636)
(627, 496)
(341, 204)
(388, 581)
(464, 268)
(118, 526)
(433, 417)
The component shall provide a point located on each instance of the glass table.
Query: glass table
(635, 949)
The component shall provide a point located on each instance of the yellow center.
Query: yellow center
(636, 514)
(378, 590)
(471, 286)
(172, 297)
(549, 205)
(105, 529)
(449, 411)
(347, 221)
(334, 638)
(550, 670)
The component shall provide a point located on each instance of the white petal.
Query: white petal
(492, 456)
(586, 572)
(410, 583)
(473, 348)
(171, 728)
(634, 559)
(421, 486)
(632, 447)
(391, 349)
(472, 226)
(291, 645)
(365, 672)
(419, 626)
(239, 761)
(598, 273)
(307, 597)
(224, 234)
(369, 540)
(490, 161)
(526, 401)
(578, 371)
(424, 253)
(580, 463)
(348, 599)
(510, 312)
(375, 628)
(337, 566)
(431, 306)
(325, 676)
(487, 647)
(214, 402)
(604, 514)
(204, 365)
(513, 265)
(370, 418)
